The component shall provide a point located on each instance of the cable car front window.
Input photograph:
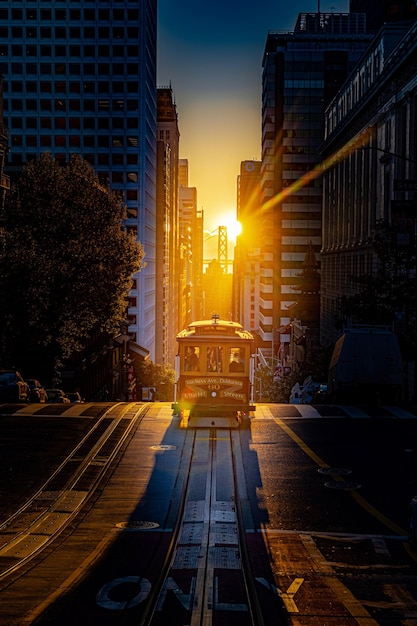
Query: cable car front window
(215, 359)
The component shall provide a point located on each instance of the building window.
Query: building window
(103, 123)
(103, 69)
(89, 33)
(89, 69)
(89, 88)
(118, 32)
(89, 123)
(103, 159)
(89, 105)
(74, 122)
(89, 51)
(117, 177)
(17, 122)
(17, 105)
(89, 141)
(118, 51)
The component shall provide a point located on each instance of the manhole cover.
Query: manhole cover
(137, 525)
(163, 447)
(335, 471)
(342, 485)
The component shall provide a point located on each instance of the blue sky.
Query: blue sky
(211, 55)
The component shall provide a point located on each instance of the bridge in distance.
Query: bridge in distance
(118, 513)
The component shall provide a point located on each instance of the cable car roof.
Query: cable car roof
(217, 327)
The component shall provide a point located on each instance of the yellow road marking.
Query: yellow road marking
(359, 499)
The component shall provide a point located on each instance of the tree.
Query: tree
(162, 377)
(389, 292)
(66, 263)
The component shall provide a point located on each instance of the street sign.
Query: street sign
(405, 185)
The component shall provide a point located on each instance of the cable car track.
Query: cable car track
(48, 511)
(208, 555)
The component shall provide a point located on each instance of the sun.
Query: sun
(234, 228)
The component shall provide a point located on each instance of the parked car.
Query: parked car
(13, 387)
(37, 391)
(412, 524)
(56, 396)
(74, 397)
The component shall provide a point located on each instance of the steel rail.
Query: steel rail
(209, 544)
(48, 511)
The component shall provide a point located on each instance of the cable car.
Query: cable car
(214, 373)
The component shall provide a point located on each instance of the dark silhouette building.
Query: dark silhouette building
(380, 11)
(302, 72)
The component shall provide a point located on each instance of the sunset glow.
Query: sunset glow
(234, 228)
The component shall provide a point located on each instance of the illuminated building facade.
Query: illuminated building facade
(190, 252)
(81, 78)
(246, 275)
(167, 228)
(302, 72)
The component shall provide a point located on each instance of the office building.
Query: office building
(190, 252)
(167, 228)
(302, 72)
(81, 78)
(4, 149)
(246, 276)
(371, 154)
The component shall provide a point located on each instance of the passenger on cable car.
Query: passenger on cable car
(236, 364)
(192, 362)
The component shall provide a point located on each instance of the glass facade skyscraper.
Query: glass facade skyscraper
(302, 72)
(80, 77)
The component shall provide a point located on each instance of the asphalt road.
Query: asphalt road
(325, 512)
